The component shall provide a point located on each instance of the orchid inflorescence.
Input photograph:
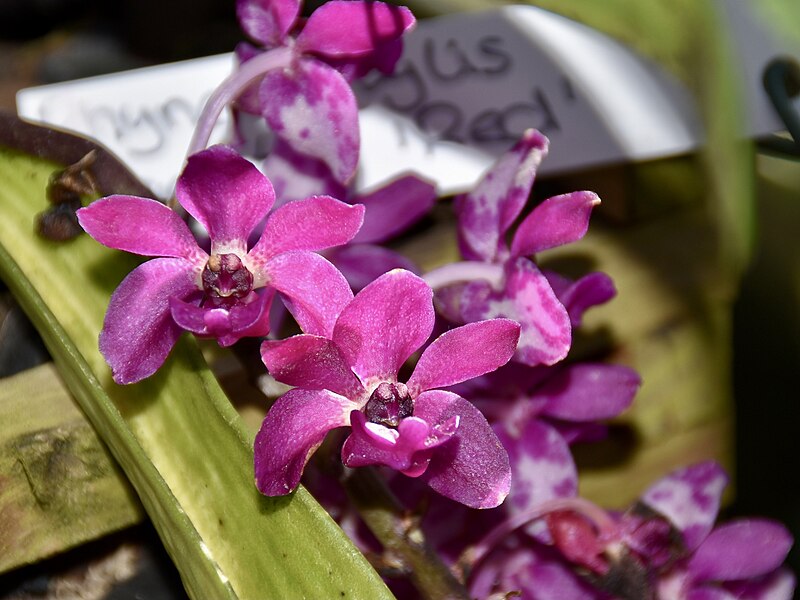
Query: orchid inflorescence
(487, 415)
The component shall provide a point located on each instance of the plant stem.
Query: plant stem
(401, 536)
(229, 90)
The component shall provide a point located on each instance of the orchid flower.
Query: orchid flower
(667, 548)
(350, 379)
(664, 548)
(225, 294)
(308, 102)
(502, 280)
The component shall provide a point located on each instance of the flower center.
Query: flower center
(389, 404)
(226, 279)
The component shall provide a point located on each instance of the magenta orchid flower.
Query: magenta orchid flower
(664, 548)
(503, 280)
(309, 103)
(667, 547)
(225, 294)
(350, 379)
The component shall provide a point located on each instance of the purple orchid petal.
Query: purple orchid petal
(407, 449)
(120, 221)
(311, 224)
(690, 499)
(226, 193)
(353, 28)
(778, 585)
(292, 430)
(393, 208)
(586, 392)
(468, 351)
(472, 468)
(533, 570)
(384, 324)
(313, 290)
(312, 362)
(267, 21)
(546, 333)
(579, 296)
(227, 325)
(486, 213)
(741, 550)
(556, 221)
(314, 110)
(542, 466)
(297, 176)
(138, 330)
(361, 264)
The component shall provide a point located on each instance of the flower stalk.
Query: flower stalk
(401, 536)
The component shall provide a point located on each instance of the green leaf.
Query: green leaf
(176, 435)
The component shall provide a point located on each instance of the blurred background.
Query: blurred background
(708, 243)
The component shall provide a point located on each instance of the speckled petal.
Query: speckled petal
(353, 28)
(311, 224)
(138, 331)
(139, 225)
(473, 467)
(226, 193)
(527, 298)
(542, 466)
(486, 213)
(465, 352)
(312, 289)
(384, 324)
(292, 430)
(297, 176)
(312, 362)
(313, 109)
(267, 21)
(588, 391)
(690, 499)
(556, 221)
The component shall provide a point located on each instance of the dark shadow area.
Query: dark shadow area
(129, 565)
(767, 363)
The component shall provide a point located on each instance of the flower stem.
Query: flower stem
(230, 89)
(401, 536)
(463, 272)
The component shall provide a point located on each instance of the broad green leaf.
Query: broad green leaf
(176, 436)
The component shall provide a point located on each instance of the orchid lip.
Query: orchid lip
(389, 404)
(226, 279)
